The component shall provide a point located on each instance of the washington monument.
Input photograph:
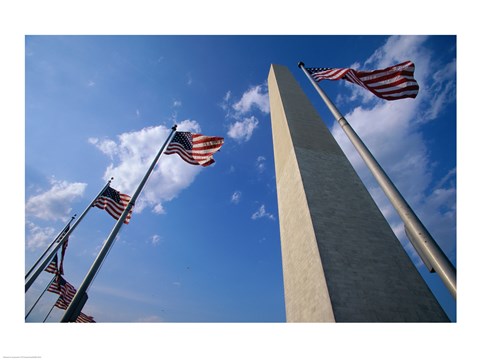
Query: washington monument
(341, 260)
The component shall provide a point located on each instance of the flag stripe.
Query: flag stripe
(392, 83)
(54, 288)
(53, 266)
(66, 292)
(64, 249)
(114, 203)
(82, 318)
(61, 304)
(195, 149)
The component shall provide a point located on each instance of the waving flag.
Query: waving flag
(196, 149)
(82, 318)
(64, 248)
(392, 83)
(63, 288)
(114, 203)
(53, 266)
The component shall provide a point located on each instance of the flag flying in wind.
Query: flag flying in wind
(392, 83)
(64, 248)
(196, 149)
(54, 287)
(114, 203)
(53, 266)
(66, 292)
(63, 288)
(61, 303)
(82, 318)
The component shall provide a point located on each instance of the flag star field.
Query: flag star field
(202, 243)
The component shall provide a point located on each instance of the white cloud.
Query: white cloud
(443, 90)
(156, 239)
(38, 237)
(55, 204)
(392, 131)
(242, 130)
(177, 103)
(260, 164)
(133, 153)
(227, 96)
(108, 147)
(225, 104)
(236, 197)
(255, 97)
(397, 49)
(261, 213)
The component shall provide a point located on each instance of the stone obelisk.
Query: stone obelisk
(341, 260)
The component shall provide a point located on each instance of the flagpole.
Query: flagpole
(46, 317)
(68, 316)
(419, 235)
(38, 299)
(65, 236)
(49, 246)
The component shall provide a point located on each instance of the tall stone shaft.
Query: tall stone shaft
(341, 260)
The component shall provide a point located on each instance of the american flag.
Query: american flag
(196, 149)
(67, 290)
(82, 318)
(62, 287)
(392, 83)
(114, 203)
(64, 248)
(54, 287)
(53, 266)
(61, 304)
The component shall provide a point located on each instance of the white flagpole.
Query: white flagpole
(419, 235)
(57, 238)
(69, 315)
(60, 243)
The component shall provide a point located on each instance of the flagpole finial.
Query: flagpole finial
(174, 127)
(300, 64)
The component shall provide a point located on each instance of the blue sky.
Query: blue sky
(77, 108)
(203, 244)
